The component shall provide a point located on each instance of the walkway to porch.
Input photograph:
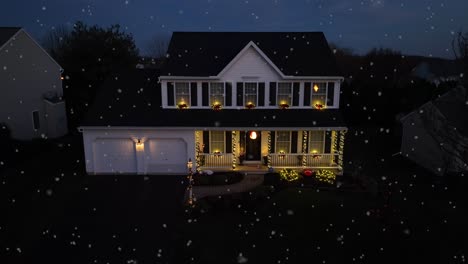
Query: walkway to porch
(249, 182)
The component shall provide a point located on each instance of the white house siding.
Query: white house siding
(26, 73)
(56, 118)
(419, 146)
(251, 66)
(165, 151)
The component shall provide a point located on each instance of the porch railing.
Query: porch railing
(295, 160)
(215, 160)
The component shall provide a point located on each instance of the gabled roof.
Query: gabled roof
(452, 105)
(133, 99)
(203, 54)
(6, 33)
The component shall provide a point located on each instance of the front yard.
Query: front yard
(52, 212)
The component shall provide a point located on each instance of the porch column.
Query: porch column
(197, 150)
(304, 148)
(269, 150)
(234, 145)
(341, 148)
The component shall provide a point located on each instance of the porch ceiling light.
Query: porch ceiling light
(253, 135)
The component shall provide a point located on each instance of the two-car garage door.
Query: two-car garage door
(160, 156)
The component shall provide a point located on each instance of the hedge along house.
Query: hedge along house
(222, 97)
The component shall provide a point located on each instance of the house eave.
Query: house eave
(289, 77)
(82, 128)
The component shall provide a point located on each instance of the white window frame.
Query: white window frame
(223, 103)
(256, 94)
(224, 142)
(175, 93)
(325, 93)
(277, 150)
(38, 120)
(278, 102)
(310, 141)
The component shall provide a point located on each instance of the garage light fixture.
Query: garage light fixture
(139, 146)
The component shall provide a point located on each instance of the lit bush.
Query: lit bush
(325, 176)
(289, 174)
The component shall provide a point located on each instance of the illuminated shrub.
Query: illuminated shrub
(325, 176)
(289, 175)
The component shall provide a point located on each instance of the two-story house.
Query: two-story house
(263, 98)
(31, 102)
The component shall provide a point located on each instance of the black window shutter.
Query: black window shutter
(294, 142)
(206, 141)
(331, 93)
(307, 90)
(295, 101)
(205, 93)
(261, 94)
(228, 142)
(273, 141)
(193, 94)
(240, 94)
(272, 93)
(170, 94)
(327, 148)
(228, 94)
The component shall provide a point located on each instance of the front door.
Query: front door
(251, 145)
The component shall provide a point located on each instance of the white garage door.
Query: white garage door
(114, 156)
(167, 156)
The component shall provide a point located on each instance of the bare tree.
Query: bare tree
(157, 46)
(55, 39)
(460, 50)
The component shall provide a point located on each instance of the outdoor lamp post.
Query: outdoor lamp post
(190, 194)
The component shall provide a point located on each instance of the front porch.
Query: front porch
(318, 149)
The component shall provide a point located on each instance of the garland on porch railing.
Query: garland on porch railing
(197, 149)
(234, 143)
(304, 148)
(269, 150)
(341, 148)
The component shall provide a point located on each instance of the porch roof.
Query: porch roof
(226, 118)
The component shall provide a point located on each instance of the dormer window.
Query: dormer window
(216, 93)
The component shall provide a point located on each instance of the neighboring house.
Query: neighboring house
(435, 136)
(222, 97)
(437, 70)
(31, 101)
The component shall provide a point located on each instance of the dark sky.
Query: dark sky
(422, 27)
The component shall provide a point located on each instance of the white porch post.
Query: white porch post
(304, 148)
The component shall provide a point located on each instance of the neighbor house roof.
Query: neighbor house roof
(133, 99)
(208, 53)
(6, 33)
(452, 105)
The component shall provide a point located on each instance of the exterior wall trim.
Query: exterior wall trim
(83, 128)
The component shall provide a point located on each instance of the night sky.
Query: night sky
(421, 27)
